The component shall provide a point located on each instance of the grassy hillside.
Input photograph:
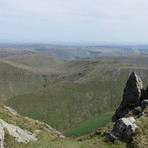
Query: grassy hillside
(137, 60)
(21, 74)
(48, 138)
(78, 90)
(89, 126)
(33, 126)
(33, 60)
(15, 81)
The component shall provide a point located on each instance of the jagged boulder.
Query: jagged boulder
(131, 97)
(122, 130)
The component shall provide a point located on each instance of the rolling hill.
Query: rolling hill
(15, 81)
(33, 60)
(65, 95)
(77, 91)
(137, 60)
(21, 74)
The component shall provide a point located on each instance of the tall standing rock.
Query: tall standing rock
(131, 96)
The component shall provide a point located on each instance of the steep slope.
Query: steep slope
(78, 90)
(20, 132)
(23, 132)
(15, 81)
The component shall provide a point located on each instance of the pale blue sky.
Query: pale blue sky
(87, 21)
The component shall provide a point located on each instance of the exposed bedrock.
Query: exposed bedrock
(133, 95)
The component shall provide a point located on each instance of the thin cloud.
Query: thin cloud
(98, 18)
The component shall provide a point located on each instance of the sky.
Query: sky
(74, 21)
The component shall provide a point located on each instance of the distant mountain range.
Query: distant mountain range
(67, 53)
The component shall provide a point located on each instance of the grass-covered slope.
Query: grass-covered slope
(78, 90)
(41, 130)
(137, 60)
(89, 126)
(46, 136)
(33, 60)
(15, 81)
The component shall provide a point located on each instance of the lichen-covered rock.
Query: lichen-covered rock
(123, 130)
(131, 97)
(2, 136)
(19, 134)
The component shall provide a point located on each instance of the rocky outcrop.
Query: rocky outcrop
(132, 97)
(122, 130)
(135, 101)
(53, 131)
(19, 134)
(12, 111)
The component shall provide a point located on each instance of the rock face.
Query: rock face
(122, 130)
(135, 100)
(132, 96)
(19, 134)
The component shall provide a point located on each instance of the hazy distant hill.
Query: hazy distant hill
(67, 53)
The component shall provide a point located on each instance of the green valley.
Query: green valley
(75, 91)
(89, 126)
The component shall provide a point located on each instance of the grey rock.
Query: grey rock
(2, 136)
(123, 130)
(19, 134)
(131, 96)
(132, 91)
(53, 131)
(144, 104)
(12, 111)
